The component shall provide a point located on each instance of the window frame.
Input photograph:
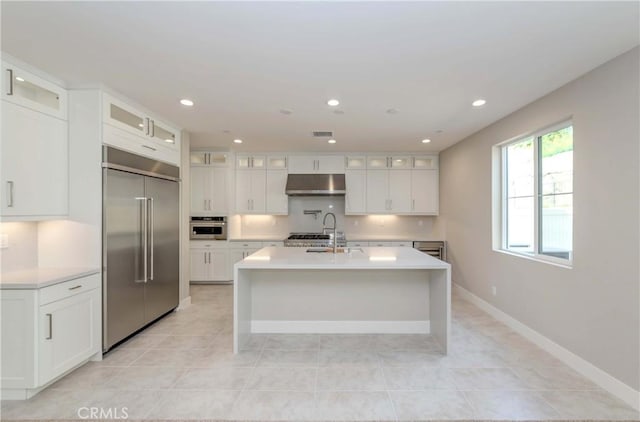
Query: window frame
(500, 197)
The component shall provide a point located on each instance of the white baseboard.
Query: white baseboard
(587, 369)
(341, 327)
(184, 304)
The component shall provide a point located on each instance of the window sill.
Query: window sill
(558, 263)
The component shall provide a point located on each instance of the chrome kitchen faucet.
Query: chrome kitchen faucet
(324, 227)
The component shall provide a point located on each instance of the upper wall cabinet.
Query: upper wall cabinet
(307, 164)
(251, 162)
(425, 162)
(389, 162)
(34, 163)
(28, 90)
(131, 129)
(209, 158)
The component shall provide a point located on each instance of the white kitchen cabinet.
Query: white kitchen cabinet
(250, 191)
(381, 244)
(400, 191)
(47, 332)
(70, 332)
(388, 191)
(209, 158)
(308, 164)
(276, 162)
(209, 190)
(251, 161)
(424, 192)
(425, 162)
(389, 162)
(209, 262)
(33, 92)
(277, 202)
(355, 201)
(357, 244)
(240, 250)
(35, 175)
(356, 162)
(128, 128)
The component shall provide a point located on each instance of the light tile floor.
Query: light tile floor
(183, 367)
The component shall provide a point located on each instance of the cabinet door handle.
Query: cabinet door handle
(152, 130)
(10, 84)
(50, 336)
(148, 147)
(413, 205)
(75, 287)
(10, 194)
(145, 236)
(390, 204)
(151, 229)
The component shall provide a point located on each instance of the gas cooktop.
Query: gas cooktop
(314, 239)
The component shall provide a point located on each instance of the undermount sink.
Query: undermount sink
(330, 250)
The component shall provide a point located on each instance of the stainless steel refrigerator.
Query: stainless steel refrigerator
(140, 243)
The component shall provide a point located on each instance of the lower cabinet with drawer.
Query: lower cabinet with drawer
(399, 244)
(209, 261)
(47, 332)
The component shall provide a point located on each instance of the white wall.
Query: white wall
(593, 308)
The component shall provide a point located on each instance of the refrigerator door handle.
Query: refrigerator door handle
(145, 237)
(151, 229)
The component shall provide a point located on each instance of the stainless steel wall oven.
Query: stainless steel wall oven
(208, 228)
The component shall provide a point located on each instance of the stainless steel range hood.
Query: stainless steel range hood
(315, 184)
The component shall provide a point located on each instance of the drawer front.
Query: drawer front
(403, 244)
(209, 244)
(381, 244)
(265, 244)
(253, 245)
(69, 288)
(357, 244)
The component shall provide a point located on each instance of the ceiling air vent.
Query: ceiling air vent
(322, 134)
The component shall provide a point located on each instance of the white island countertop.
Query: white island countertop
(36, 278)
(357, 258)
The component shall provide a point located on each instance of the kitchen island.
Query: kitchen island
(361, 290)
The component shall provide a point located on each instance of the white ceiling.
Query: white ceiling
(243, 62)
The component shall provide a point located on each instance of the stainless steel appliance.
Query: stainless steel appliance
(315, 240)
(140, 243)
(208, 228)
(437, 249)
(315, 185)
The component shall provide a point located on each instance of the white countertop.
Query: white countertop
(359, 258)
(36, 278)
(259, 239)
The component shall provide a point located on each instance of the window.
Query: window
(536, 194)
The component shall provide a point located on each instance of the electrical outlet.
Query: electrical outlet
(494, 290)
(4, 241)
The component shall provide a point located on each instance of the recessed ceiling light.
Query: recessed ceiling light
(479, 102)
(186, 102)
(237, 141)
(426, 141)
(392, 111)
(333, 102)
(140, 124)
(332, 141)
(19, 79)
(286, 111)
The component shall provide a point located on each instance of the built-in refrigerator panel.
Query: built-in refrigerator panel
(161, 289)
(123, 255)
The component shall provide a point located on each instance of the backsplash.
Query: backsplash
(49, 244)
(22, 252)
(360, 226)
